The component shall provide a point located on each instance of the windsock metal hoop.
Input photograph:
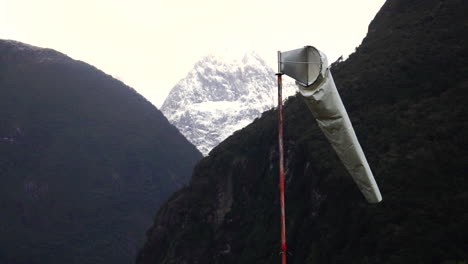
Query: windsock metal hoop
(304, 65)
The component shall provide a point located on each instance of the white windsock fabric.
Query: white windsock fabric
(325, 104)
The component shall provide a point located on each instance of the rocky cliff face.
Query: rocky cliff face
(218, 97)
(405, 89)
(84, 161)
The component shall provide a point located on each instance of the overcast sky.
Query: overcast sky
(152, 44)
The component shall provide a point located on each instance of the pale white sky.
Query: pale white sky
(152, 44)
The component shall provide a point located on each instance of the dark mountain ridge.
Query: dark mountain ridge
(84, 160)
(405, 89)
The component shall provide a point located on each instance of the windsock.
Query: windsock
(309, 67)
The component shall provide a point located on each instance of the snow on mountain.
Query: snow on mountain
(218, 97)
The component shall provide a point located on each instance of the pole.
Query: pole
(281, 169)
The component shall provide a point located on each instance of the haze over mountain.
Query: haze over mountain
(219, 96)
(405, 89)
(84, 161)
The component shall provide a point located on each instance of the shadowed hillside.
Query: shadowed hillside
(84, 161)
(406, 90)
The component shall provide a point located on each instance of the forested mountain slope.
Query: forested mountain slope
(84, 161)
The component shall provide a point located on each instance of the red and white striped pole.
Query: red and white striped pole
(281, 163)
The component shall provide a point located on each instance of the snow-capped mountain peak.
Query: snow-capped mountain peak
(219, 96)
(252, 58)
